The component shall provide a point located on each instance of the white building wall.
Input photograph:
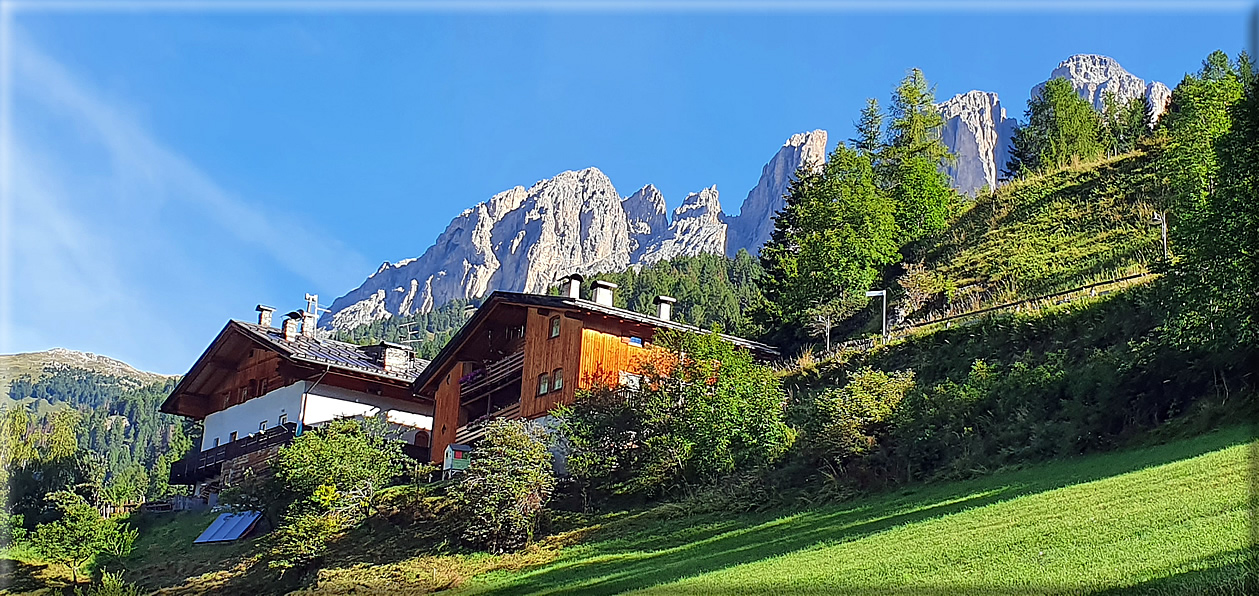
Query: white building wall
(323, 403)
(244, 418)
(326, 402)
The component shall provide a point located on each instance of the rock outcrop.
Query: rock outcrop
(645, 212)
(978, 132)
(755, 221)
(697, 228)
(1093, 76)
(526, 239)
(520, 240)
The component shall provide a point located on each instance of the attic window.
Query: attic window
(555, 327)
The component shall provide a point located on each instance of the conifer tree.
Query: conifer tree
(869, 137)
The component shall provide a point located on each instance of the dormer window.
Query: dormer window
(555, 327)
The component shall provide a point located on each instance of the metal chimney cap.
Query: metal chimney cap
(264, 308)
(605, 284)
(666, 299)
(296, 315)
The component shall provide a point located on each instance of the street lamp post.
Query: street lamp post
(1161, 221)
(882, 293)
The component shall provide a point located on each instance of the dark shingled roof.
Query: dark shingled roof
(328, 352)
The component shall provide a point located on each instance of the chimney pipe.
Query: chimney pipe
(664, 307)
(603, 292)
(574, 286)
(290, 325)
(309, 322)
(264, 314)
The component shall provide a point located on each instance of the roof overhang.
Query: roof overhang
(445, 358)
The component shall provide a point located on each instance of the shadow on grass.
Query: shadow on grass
(18, 577)
(628, 564)
(1225, 574)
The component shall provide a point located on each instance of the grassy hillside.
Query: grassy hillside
(1171, 518)
(1165, 519)
(36, 365)
(1049, 233)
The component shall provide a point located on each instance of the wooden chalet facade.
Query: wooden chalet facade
(521, 355)
(257, 387)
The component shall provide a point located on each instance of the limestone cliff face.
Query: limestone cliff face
(521, 240)
(1093, 76)
(646, 215)
(697, 228)
(751, 228)
(526, 239)
(977, 131)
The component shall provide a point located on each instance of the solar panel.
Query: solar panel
(229, 526)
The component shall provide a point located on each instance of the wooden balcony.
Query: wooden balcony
(493, 376)
(476, 429)
(209, 463)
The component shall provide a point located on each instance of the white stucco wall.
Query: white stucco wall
(245, 417)
(326, 402)
(323, 403)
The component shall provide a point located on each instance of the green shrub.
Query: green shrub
(850, 420)
(501, 495)
(111, 585)
(81, 535)
(702, 410)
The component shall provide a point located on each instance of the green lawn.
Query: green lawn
(1171, 518)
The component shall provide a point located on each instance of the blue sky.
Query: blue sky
(169, 170)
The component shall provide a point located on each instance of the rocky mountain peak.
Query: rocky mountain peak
(978, 132)
(751, 228)
(647, 218)
(698, 227)
(1093, 75)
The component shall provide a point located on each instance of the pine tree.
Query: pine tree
(869, 137)
(830, 242)
(1061, 128)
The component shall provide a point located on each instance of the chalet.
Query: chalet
(257, 387)
(520, 355)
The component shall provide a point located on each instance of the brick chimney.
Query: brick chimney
(572, 288)
(264, 314)
(309, 322)
(664, 307)
(290, 325)
(603, 292)
(390, 356)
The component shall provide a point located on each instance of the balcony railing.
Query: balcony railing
(492, 376)
(475, 429)
(209, 463)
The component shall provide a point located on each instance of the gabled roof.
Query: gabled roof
(563, 302)
(322, 352)
(238, 336)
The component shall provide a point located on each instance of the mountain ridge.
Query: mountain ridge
(576, 222)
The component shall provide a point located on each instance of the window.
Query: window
(544, 382)
(284, 419)
(262, 387)
(216, 441)
(555, 327)
(262, 425)
(557, 379)
(630, 381)
(636, 341)
(232, 437)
